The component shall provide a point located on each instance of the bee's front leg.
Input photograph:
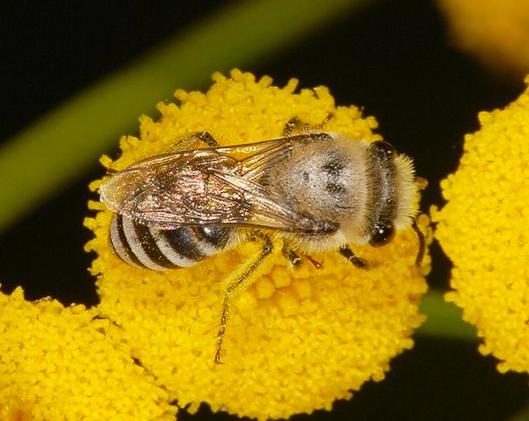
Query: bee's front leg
(296, 126)
(291, 256)
(295, 259)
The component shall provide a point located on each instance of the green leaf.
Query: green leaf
(444, 319)
(43, 158)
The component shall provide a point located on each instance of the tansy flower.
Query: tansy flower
(483, 229)
(59, 363)
(298, 338)
(496, 31)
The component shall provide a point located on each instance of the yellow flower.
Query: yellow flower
(59, 363)
(497, 31)
(298, 338)
(483, 229)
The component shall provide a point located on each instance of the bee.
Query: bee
(316, 190)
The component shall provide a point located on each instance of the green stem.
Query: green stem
(444, 320)
(41, 159)
(522, 415)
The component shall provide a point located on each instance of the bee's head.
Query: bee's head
(381, 234)
(393, 193)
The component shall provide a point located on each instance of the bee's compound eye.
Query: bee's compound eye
(381, 234)
(383, 149)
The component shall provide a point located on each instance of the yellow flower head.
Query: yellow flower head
(496, 31)
(298, 337)
(59, 363)
(483, 229)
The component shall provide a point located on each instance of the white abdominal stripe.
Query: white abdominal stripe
(156, 249)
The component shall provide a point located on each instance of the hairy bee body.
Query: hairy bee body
(318, 191)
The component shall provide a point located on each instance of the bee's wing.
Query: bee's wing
(161, 190)
(256, 158)
(258, 208)
(209, 186)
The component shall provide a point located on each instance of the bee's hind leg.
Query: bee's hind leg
(235, 285)
(360, 263)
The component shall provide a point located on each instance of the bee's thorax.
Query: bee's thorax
(366, 188)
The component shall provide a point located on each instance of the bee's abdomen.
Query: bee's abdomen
(156, 249)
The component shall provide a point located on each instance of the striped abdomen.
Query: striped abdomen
(157, 249)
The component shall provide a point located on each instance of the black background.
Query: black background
(393, 58)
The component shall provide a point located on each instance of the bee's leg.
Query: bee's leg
(207, 138)
(296, 259)
(292, 256)
(360, 263)
(192, 142)
(296, 126)
(314, 262)
(329, 117)
(234, 286)
(422, 245)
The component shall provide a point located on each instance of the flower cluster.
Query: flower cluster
(496, 31)
(483, 230)
(60, 363)
(298, 338)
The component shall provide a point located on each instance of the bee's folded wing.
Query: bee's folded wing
(218, 198)
(210, 186)
(263, 210)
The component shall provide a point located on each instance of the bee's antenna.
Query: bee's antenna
(329, 117)
(422, 245)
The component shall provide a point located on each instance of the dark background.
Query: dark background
(393, 58)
